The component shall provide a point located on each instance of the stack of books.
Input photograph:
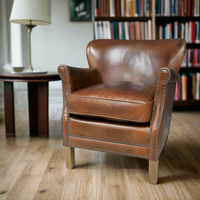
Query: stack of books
(123, 30)
(188, 87)
(191, 58)
(177, 7)
(190, 31)
(122, 8)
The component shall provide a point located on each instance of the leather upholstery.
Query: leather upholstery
(126, 101)
(138, 61)
(161, 117)
(95, 98)
(129, 133)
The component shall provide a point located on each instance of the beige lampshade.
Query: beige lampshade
(34, 12)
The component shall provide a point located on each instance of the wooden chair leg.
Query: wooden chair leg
(153, 171)
(69, 157)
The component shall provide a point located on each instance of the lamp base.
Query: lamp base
(28, 71)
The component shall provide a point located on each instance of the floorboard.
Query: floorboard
(34, 168)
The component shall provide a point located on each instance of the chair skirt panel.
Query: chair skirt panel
(126, 139)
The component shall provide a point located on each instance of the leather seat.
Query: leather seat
(124, 101)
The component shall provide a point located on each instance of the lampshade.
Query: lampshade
(36, 12)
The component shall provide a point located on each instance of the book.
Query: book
(184, 87)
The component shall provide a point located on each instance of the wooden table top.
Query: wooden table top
(17, 77)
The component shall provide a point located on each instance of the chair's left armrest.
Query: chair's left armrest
(74, 78)
(162, 109)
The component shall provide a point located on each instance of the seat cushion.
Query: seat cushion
(124, 101)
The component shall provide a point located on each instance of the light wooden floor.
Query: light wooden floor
(33, 168)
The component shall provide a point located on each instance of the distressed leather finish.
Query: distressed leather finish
(126, 101)
(138, 61)
(103, 107)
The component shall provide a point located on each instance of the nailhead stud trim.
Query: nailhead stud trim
(89, 138)
(110, 152)
(154, 109)
(63, 88)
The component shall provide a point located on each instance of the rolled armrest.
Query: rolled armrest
(161, 116)
(74, 79)
(174, 76)
(77, 78)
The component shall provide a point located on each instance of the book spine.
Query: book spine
(173, 7)
(192, 32)
(184, 87)
(131, 31)
(197, 85)
(147, 7)
(126, 31)
(120, 30)
(125, 8)
(96, 8)
(104, 30)
(141, 8)
(134, 32)
(131, 8)
(112, 30)
(119, 8)
(198, 57)
(195, 58)
(176, 7)
(150, 30)
(176, 92)
(137, 28)
(122, 8)
(146, 30)
(96, 30)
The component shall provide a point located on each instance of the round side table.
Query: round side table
(38, 92)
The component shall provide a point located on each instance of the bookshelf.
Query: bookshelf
(161, 14)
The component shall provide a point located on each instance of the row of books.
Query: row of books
(188, 87)
(190, 31)
(191, 58)
(122, 8)
(123, 30)
(177, 7)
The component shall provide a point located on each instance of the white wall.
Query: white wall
(61, 42)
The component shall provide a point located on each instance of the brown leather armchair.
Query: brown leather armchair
(122, 104)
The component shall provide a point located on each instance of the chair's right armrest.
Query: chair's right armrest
(161, 115)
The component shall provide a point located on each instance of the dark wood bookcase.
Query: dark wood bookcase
(163, 20)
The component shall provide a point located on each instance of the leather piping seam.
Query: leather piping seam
(83, 137)
(63, 88)
(123, 154)
(140, 103)
(110, 117)
(160, 113)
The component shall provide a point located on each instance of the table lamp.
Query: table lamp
(31, 13)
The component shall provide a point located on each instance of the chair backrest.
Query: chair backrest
(137, 61)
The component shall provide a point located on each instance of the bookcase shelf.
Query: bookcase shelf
(193, 45)
(186, 103)
(122, 18)
(167, 19)
(189, 70)
(155, 24)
